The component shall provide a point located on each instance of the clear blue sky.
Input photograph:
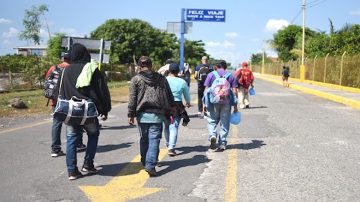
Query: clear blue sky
(248, 23)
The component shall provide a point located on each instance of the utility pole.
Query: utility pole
(302, 67)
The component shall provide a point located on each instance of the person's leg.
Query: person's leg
(241, 97)
(93, 131)
(213, 120)
(201, 89)
(56, 138)
(80, 146)
(144, 141)
(174, 127)
(167, 131)
(72, 134)
(246, 98)
(152, 154)
(225, 124)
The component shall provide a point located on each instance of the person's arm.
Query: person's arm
(132, 100)
(186, 94)
(234, 90)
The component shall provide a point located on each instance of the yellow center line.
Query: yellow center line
(231, 178)
(24, 127)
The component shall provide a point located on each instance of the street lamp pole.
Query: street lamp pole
(302, 67)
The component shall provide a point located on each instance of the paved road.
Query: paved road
(289, 146)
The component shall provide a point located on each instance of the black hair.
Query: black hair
(144, 61)
(221, 64)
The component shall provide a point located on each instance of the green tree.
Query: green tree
(32, 23)
(54, 48)
(133, 38)
(287, 42)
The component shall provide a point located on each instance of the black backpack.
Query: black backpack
(51, 83)
(203, 72)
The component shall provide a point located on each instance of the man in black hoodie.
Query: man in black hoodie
(98, 92)
(150, 101)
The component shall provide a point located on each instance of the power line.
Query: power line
(297, 15)
(316, 3)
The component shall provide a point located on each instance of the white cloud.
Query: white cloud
(71, 32)
(231, 35)
(356, 13)
(4, 21)
(224, 44)
(13, 32)
(229, 56)
(274, 25)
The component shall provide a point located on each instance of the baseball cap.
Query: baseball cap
(173, 67)
(66, 56)
(244, 64)
(204, 58)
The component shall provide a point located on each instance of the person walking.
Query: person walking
(164, 70)
(285, 76)
(150, 101)
(57, 125)
(98, 92)
(186, 73)
(179, 88)
(219, 110)
(245, 79)
(201, 72)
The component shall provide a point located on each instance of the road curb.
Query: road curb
(346, 101)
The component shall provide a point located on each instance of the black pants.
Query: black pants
(201, 89)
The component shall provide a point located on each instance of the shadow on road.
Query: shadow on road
(186, 150)
(111, 147)
(120, 169)
(117, 127)
(247, 146)
(176, 164)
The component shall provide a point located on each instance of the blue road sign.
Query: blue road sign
(207, 15)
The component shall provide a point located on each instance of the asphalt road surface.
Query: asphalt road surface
(289, 146)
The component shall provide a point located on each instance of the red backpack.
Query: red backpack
(245, 77)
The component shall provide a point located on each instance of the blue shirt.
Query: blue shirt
(145, 117)
(179, 88)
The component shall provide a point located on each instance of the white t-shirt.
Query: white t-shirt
(163, 69)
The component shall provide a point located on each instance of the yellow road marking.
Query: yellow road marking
(127, 185)
(231, 178)
(23, 127)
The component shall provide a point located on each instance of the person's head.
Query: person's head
(284, 67)
(244, 64)
(79, 54)
(204, 60)
(145, 62)
(66, 57)
(221, 64)
(174, 69)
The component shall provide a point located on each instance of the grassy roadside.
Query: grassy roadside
(36, 102)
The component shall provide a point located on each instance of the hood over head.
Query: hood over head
(79, 54)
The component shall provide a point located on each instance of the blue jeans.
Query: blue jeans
(150, 135)
(220, 113)
(56, 135)
(73, 133)
(171, 132)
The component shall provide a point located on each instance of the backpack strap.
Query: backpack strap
(227, 74)
(216, 74)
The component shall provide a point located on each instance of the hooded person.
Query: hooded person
(150, 101)
(98, 92)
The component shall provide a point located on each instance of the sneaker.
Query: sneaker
(213, 142)
(151, 172)
(57, 153)
(74, 175)
(81, 148)
(171, 152)
(222, 147)
(89, 169)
